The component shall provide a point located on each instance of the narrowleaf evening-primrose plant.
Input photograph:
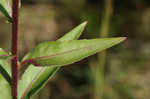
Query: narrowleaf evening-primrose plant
(21, 80)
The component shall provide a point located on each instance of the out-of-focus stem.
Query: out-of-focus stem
(104, 29)
(15, 49)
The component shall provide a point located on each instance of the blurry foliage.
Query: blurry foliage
(128, 68)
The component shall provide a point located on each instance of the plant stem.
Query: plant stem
(15, 48)
(104, 29)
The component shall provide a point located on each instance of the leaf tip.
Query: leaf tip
(124, 38)
(85, 23)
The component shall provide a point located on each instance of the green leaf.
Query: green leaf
(64, 53)
(5, 89)
(5, 8)
(5, 69)
(5, 80)
(35, 77)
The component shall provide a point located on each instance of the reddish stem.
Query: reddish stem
(15, 48)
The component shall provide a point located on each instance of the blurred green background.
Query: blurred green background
(120, 73)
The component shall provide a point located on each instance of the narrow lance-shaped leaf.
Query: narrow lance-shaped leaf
(35, 77)
(5, 8)
(64, 53)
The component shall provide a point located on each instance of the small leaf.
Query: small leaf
(64, 53)
(35, 77)
(5, 8)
